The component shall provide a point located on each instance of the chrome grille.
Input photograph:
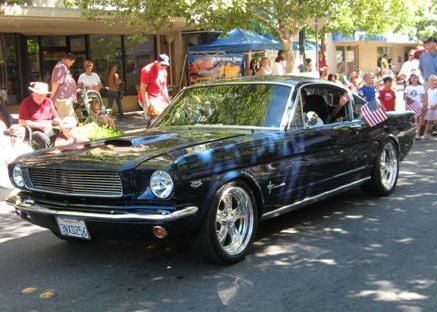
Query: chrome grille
(72, 182)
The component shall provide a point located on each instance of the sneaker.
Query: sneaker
(425, 137)
(417, 137)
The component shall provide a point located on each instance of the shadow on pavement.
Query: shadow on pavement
(348, 253)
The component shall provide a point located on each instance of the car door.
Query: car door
(307, 158)
(363, 141)
(317, 154)
(316, 159)
(353, 143)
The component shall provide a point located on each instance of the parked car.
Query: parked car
(222, 157)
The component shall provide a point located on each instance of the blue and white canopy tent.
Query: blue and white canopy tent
(224, 57)
(220, 52)
(237, 41)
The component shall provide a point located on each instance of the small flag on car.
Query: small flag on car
(414, 106)
(373, 113)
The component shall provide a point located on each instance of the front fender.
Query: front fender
(218, 181)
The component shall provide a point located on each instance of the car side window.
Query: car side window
(338, 106)
(357, 103)
(296, 122)
(315, 106)
(321, 105)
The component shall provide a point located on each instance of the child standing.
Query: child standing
(431, 114)
(387, 96)
(367, 91)
(414, 92)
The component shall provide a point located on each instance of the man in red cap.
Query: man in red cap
(153, 93)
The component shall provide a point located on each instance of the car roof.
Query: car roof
(291, 80)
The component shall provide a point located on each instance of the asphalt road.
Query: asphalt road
(348, 253)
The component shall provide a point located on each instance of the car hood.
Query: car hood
(125, 152)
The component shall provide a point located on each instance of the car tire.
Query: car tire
(230, 225)
(385, 173)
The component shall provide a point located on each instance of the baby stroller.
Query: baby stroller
(83, 107)
(92, 109)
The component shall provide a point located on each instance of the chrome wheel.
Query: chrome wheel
(388, 165)
(235, 219)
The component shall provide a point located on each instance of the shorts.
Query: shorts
(65, 108)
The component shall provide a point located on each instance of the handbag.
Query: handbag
(104, 91)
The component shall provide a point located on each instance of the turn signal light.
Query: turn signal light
(159, 232)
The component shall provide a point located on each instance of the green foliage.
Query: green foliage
(93, 131)
(426, 26)
(373, 16)
(244, 105)
(283, 18)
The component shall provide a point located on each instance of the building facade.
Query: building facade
(361, 51)
(33, 36)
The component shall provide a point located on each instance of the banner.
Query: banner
(204, 67)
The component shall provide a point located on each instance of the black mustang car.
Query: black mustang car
(221, 158)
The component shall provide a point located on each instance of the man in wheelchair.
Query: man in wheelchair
(38, 112)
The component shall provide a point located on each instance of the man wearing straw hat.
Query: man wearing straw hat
(38, 112)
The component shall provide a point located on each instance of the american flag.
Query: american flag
(414, 106)
(373, 113)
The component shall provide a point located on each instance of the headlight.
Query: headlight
(161, 184)
(17, 176)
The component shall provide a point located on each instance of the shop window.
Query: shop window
(380, 51)
(53, 49)
(9, 75)
(34, 66)
(104, 51)
(53, 41)
(346, 59)
(137, 55)
(78, 48)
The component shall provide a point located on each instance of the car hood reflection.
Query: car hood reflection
(127, 152)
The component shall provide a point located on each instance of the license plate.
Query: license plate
(73, 228)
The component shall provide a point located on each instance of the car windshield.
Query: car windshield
(257, 105)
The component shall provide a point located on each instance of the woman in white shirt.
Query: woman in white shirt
(89, 79)
(265, 68)
(411, 66)
(279, 65)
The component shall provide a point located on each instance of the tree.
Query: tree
(426, 26)
(281, 18)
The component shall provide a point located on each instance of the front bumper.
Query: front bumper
(28, 206)
(112, 224)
